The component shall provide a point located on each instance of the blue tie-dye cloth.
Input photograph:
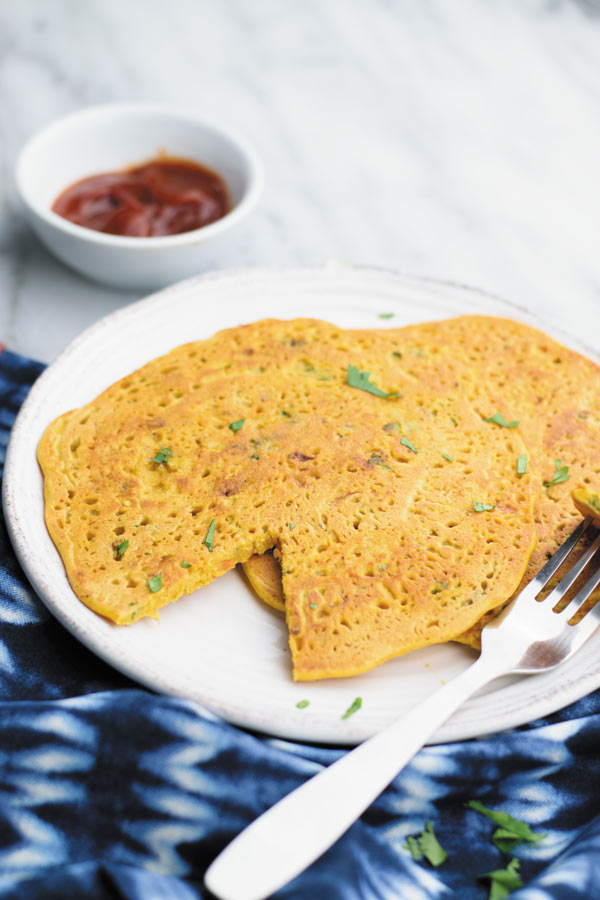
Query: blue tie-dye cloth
(109, 791)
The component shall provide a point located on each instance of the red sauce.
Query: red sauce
(163, 196)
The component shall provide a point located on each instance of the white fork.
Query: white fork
(529, 636)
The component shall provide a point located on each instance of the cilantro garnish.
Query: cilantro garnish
(561, 474)
(498, 419)
(522, 464)
(360, 380)
(186, 565)
(292, 526)
(449, 458)
(155, 583)
(163, 455)
(397, 354)
(302, 704)
(235, 426)
(386, 315)
(392, 428)
(408, 443)
(439, 586)
(427, 845)
(121, 548)
(314, 605)
(482, 507)
(503, 881)
(453, 420)
(210, 536)
(511, 831)
(354, 707)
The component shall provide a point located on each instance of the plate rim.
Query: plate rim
(568, 690)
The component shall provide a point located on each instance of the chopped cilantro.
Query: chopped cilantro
(376, 460)
(522, 464)
(209, 540)
(439, 586)
(392, 428)
(235, 426)
(383, 567)
(427, 845)
(121, 548)
(361, 381)
(155, 583)
(511, 831)
(498, 419)
(561, 474)
(302, 704)
(582, 415)
(482, 507)
(255, 456)
(408, 443)
(453, 420)
(449, 458)
(354, 707)
(314, 605)
(503, 881)
(292, 526)
(417, 352)
(397, 354)
(386, 315)
(186, 565)
(163, 455)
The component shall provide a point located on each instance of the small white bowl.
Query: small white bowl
(111, 137)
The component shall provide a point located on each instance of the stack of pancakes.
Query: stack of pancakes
(388, 488)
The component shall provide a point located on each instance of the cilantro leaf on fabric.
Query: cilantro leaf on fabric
(408, 443)
(482, 507)
(503, 881)
(235, 426)
(427, 845)
(511, 831)
(498, 419)
(522, 464)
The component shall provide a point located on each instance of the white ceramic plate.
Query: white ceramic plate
(221, 646)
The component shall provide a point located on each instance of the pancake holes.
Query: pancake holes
(70, 494)
(383, 605)
(75, 444)
(90, 536)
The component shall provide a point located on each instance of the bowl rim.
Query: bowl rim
(253, 190)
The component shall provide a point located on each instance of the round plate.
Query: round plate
(222, 646)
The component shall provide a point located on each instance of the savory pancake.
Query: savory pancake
(397, 509)
(554, 394)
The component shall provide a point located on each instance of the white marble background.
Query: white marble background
(453, 138)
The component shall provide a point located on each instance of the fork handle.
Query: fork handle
(287, 838)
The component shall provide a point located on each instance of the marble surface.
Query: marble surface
(453, 139)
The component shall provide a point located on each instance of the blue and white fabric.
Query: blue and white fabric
(110, 791)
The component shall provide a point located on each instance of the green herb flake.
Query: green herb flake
(408, 443)
(438, 587)
(186, 565)
(448, 458)
(314, 605)
(392, 428)
(453, 420)
(522, 464)
(427, 845)
(418, 352)
(209, 540)
(511, 831)
(397, 354)
(236, 426)
(561, 474)
(386, 315)
(121, 548)
(582, 415)
(503, 881)
(360, 380)
(498, 419)
(155, 583)
(383, 567)
(354, 707)
(292, 526)
(302, 704)
(482, 507)
(164, 455)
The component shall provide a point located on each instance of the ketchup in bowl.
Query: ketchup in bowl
(162, 196)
